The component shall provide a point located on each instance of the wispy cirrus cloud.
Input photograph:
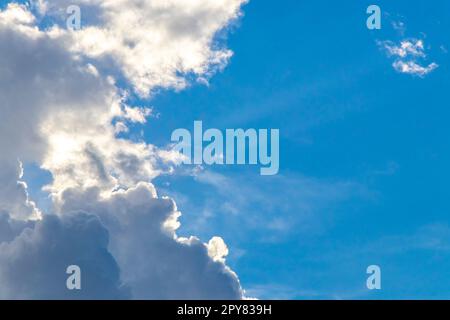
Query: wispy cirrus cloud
(304, 204)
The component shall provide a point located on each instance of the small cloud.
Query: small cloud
(411, 67)
(120, 127)
(406, 48)
(217, 249)
(408, 55)
(136, 114)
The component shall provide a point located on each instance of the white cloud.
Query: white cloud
(411, 67)
(16, 14)
(63, 121)
(217, 249)
(61, 112)
(136, 114)
(408, 55)
(155, 262)
(154, 43)
(411, 47)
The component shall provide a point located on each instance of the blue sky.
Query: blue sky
(364, 152)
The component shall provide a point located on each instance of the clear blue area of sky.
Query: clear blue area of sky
(364, 152)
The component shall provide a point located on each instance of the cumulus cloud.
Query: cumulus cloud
(16, 14)
(408, 55)
(64, 120)
(217, 249)
(62, 109)
(143, 230)
(154, 43)
(34, 264)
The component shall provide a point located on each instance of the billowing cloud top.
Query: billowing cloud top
(154, 43)
(61, 108)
